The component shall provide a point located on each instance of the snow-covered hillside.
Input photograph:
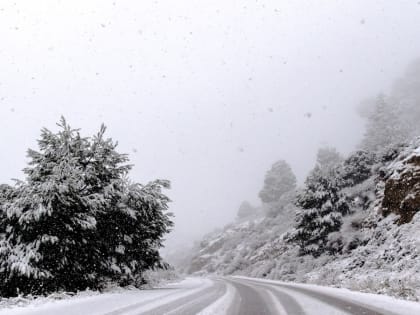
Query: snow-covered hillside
(378, 241)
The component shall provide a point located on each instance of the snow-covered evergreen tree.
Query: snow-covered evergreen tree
(406, 92)
(7, 193)
(131, 244)
(358, 167)
(246, 210)
(58, 223)
(384, 128)
(393, 119)
(320, 206)
(327, 197)
(279, 180)
(52, 229)
(328, 157)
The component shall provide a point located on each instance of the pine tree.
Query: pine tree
(328, 157)
(246, 210)
(384, 125)
(7, 194)
(357, 167)
(139, 222)
(63, 222)
(53, 218)
(320, 208)
(406, 93)
(278, 181)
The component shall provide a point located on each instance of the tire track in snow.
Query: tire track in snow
(132, 307)
(223, 305)
(149, 302)
(191, 304)
(250, 301)
(288, 303)
(347, 306)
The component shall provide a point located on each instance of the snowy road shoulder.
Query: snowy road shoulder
(375, 301)
(223, 304)
(113, 303)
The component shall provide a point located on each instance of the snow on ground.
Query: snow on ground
(131, 302)
(221, 306)
(307, 303)
(401, 307)
(277, 305)
(107, 303)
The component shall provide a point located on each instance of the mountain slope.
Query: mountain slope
(378, 244)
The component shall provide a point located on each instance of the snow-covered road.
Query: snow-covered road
(230, 296)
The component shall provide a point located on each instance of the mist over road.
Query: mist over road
(227, 295)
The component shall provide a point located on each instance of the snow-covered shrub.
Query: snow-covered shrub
(154, 277)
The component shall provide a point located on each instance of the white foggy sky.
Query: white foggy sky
(205, 93)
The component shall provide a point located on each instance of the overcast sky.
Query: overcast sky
(205, 93)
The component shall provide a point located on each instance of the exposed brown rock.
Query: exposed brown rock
(402, 190)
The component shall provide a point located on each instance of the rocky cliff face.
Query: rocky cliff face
(402, 188)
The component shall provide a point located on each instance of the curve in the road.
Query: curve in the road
(288, 303)
(251, 297)
(345, 305)
(342, 304)
(251, 302)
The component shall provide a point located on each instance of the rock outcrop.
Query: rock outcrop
(402, 188)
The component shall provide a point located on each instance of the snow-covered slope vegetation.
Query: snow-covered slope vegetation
(354, 223)
(367, 246)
